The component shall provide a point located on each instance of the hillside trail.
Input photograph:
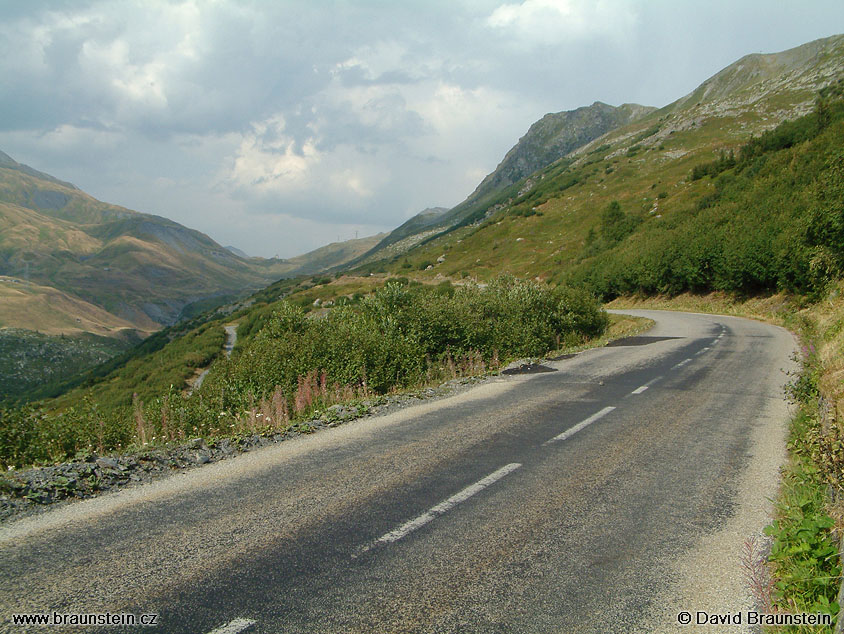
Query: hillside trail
(231, 340)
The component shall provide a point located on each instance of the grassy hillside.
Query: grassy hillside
(140, 268)
(70, 264)
(50, 311)
(169, 359)
(767, 218)
(539, 226)
(553, 137)
(547, 141)
(31, 361)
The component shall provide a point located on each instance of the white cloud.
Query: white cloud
(278, 175)
(267, 124)
(267, 159)
(71, 139)
(557, 21)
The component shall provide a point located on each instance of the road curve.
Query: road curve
(602, 495)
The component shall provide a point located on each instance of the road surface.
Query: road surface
(602, 495)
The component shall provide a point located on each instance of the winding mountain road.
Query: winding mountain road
(604, 494)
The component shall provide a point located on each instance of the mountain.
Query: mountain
(408, 234)
(140, 268)
(556, 205)
(331, 255)
(143, 269)
(757, 77)
(553, 137)
(546, 141)
(7, 162)
(749, 96)
(79, 274)
(237, 252)
(734, 187)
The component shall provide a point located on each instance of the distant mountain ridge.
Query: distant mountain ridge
(331, 255)
(761, 89)
(140, 268)
(546, 141)
(237, 252)
(757, 75)
(408, 233)
(554, 136)
(8, 162)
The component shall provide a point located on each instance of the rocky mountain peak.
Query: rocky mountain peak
(554, 136)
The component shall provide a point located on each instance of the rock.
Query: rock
(107, 463)
(197, 443)
(202, 458)
(86, 456)
(340, 412)
(128, 462)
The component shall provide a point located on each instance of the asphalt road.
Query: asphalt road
(597, 496)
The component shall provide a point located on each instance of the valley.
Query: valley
(728, 200)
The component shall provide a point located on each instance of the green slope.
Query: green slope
(542, 230)
(565, 227)
(546, 142)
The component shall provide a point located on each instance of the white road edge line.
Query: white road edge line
(571, 432)
(443, 507)
(233, 627)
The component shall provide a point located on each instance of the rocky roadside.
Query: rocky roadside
(33, 491)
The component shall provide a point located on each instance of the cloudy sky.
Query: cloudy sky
(279, 126)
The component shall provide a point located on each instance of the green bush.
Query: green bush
(772, 219)
(400, 334)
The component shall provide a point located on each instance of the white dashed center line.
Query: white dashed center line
(233, 627)
(681, 364)
(582, 424)
(644, 387)
(443, 507)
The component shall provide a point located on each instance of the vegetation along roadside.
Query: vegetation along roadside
(24, 491)
(809, 522)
